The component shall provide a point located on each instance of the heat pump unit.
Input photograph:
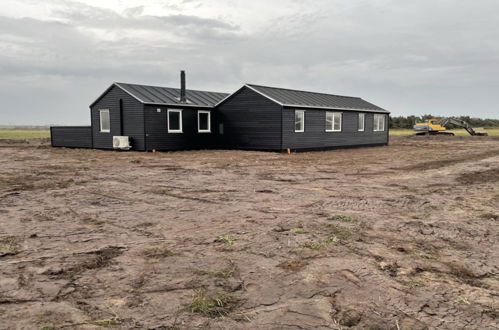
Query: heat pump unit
(121, 142)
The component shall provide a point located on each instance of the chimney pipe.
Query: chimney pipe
(182, 87)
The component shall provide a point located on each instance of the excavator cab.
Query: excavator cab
(435, 122)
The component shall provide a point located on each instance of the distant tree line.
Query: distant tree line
(409, 121)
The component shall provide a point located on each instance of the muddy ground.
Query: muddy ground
(397, 237)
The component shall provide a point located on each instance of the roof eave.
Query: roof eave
(120, 87)
(254, 90)
(264, 95)
(102, 95)
(229, 96)
(334, 108)
(129, 93)
(180, 105)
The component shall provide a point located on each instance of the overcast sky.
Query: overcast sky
(409, 57)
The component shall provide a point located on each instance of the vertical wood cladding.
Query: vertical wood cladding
(315, 135)
(250, 121)
(158, 137)
(246, 120)
(127, 121)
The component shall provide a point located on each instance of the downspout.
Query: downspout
(388, 129)
(144, 123)
(282, 128)
(91, 128)
(121, 117)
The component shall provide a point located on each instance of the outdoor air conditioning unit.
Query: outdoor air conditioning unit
(121, 142)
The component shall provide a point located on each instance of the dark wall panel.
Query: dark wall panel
(250, 121)
(315, 135)
(159, 138)
(71, 136)
(132, 124)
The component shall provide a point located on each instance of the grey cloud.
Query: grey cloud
(179, 24)
(425, 56)
(134, 11)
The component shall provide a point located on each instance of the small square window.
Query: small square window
(174, 121)
(299, 121)
(333, 121)
(204, 122)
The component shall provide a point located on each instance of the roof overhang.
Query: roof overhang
(102, 95)
(180, 105)
(109, 88)
(230, 95)
(335, 108)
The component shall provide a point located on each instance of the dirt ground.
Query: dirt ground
(397, 237)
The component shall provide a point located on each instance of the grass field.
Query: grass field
(26, 134)
(457, 132)
(23, 134)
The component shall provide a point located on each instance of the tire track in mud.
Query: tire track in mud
(436, 164)
(416, 257)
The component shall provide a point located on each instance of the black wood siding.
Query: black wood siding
(157, 135)
(250, 121)
(71, 136)
(315, 135)
(128, 123)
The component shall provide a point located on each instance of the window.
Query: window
(379, 122)
(204, 122)
(174, 121)
(105, 123)
(333, 121)
(362, 122)
(299, 121)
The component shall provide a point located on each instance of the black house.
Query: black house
(252, 118)
(258, 117)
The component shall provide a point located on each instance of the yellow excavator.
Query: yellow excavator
(435, 126)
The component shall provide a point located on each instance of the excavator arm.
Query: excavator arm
(460, 123)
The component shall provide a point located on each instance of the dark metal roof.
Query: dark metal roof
(171, 96)
(302, 99)
(168, 96)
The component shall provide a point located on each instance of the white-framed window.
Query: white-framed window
(105, 121)
(299, 121)
(174, 121)
(204, 121)
(379, 122)
(333, 121)
(362, 122)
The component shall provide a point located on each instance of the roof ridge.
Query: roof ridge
(194, 90)
(299, 90)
